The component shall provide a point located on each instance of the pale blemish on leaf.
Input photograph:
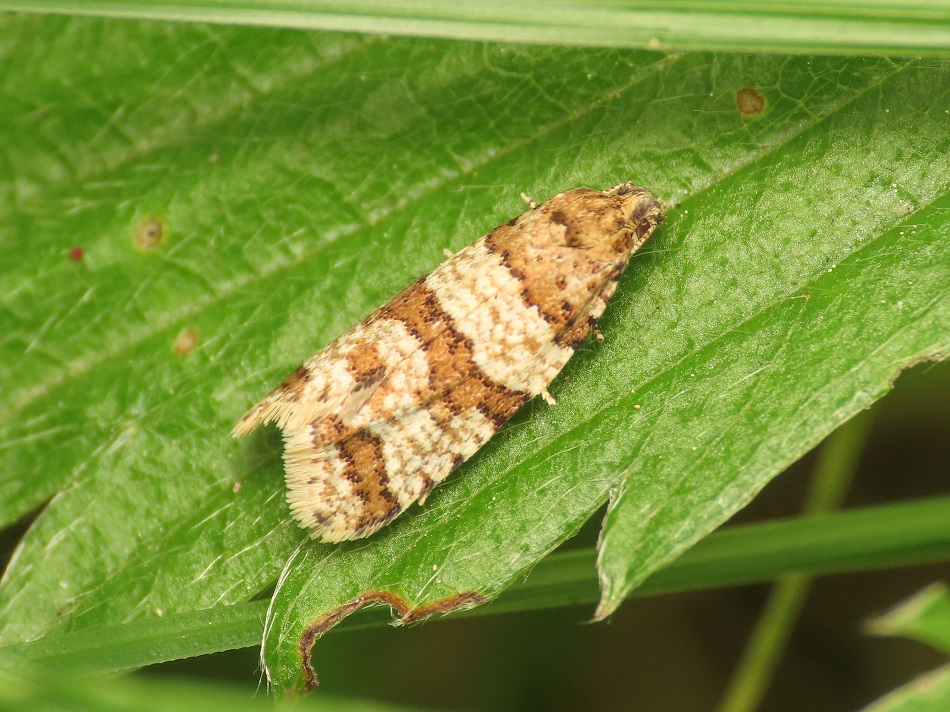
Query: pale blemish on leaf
(186, 341)
(149, 234)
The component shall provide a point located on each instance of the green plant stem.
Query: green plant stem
(846, 26)
(837, 463)
(877, 537)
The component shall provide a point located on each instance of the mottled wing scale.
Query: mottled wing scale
(384, 413)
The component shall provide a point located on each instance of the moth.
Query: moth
(385, 412)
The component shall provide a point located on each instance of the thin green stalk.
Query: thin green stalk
(877, 537)
(837, 463)
(838, 26)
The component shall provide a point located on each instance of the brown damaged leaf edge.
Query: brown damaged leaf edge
(935, 357)
(406, 613)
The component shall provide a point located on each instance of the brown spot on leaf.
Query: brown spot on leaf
(149, 234)
(76, 253)
(750, 102)
(406, 613)
(186, 341)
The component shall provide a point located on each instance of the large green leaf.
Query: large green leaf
(790, 292)
(294, 181)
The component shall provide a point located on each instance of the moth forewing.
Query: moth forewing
(384, 413)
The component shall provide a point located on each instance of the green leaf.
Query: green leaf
(924, 617)
(848, 320)
(928, 693)
(242, 196)
(775, 305)
(885, 26)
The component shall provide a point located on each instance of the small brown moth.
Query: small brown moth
(384, 413)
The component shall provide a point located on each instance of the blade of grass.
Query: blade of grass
(877, 537)
(844, 26)
(26, 686)
(117, 648)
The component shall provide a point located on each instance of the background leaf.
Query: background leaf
(294, 181)
(885, 26)
(924, 617)
(927, 693)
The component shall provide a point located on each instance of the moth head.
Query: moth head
(603, 226)
(640, 210)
